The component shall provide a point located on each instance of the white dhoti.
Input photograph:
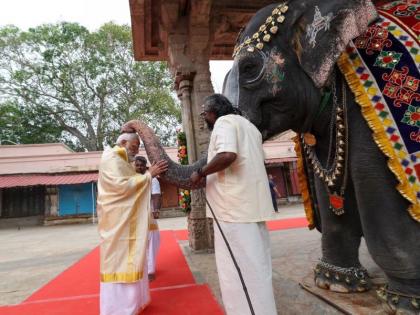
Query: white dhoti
(124, 298)
(154, 243)
(250, 245)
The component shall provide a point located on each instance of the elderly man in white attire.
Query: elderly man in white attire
(123, 224)
(237, 189)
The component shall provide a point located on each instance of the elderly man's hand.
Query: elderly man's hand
(158, 168)
(131, 126)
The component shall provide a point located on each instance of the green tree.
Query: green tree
(20, 124)
(85, 83)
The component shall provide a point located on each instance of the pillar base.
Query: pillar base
(200, 233)
(197, 233)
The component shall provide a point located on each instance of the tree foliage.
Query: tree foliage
(21, 124)
(85, 84)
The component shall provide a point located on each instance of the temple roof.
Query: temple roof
(153, 20)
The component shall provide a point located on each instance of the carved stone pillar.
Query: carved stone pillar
(202, 87)
(189, 44)
(199, 228)
(184, 94)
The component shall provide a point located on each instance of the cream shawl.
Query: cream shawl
(123, 214)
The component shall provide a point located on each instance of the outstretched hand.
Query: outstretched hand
(158, 168)
(131, 126)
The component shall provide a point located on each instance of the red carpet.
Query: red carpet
(75, 291)
(171, 267)
(190, 300)
(285, 224)
(181, 235)
(174, 292)
(275, 225)
(80, 279)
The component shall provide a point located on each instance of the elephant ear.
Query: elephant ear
(323, 31)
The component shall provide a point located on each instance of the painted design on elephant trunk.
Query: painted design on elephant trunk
(274, 71)
(178, 175)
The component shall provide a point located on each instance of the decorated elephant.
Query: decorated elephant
(344, 76)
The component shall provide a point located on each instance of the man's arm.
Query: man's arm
(220, 162)
(156, 195)
(156, 202)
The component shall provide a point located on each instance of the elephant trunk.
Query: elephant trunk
(178, 175)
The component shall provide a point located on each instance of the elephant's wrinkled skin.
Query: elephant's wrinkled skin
(280, 87)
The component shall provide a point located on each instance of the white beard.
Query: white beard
(131, 157)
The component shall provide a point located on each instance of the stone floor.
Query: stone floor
(32, 256)
(294, 254)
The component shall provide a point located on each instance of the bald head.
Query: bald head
(131, 143)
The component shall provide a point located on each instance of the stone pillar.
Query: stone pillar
(189, 45)
(202, 87)
(184, 94)
(200, 232)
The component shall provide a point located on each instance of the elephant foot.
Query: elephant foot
(339, 279)
(399, 303)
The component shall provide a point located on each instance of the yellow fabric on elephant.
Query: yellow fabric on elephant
(123, 213)
(407, 189)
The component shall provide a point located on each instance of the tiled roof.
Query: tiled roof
(43, 179)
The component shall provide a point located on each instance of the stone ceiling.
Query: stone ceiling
(154, 20)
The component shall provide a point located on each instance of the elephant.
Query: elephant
(287, 75)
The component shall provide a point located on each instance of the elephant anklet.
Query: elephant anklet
(397, 300)
(340, 279)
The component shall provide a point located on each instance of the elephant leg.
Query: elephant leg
(392, 235)
(339, 269)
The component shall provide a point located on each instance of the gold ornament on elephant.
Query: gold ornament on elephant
(265, 31)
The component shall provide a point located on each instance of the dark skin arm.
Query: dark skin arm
(156, 202)
(220, 162)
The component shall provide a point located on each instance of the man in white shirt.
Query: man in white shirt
(154, 236)
(238, 191)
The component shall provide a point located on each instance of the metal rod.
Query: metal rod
(233, 259)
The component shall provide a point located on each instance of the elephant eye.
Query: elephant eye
(251, 70)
